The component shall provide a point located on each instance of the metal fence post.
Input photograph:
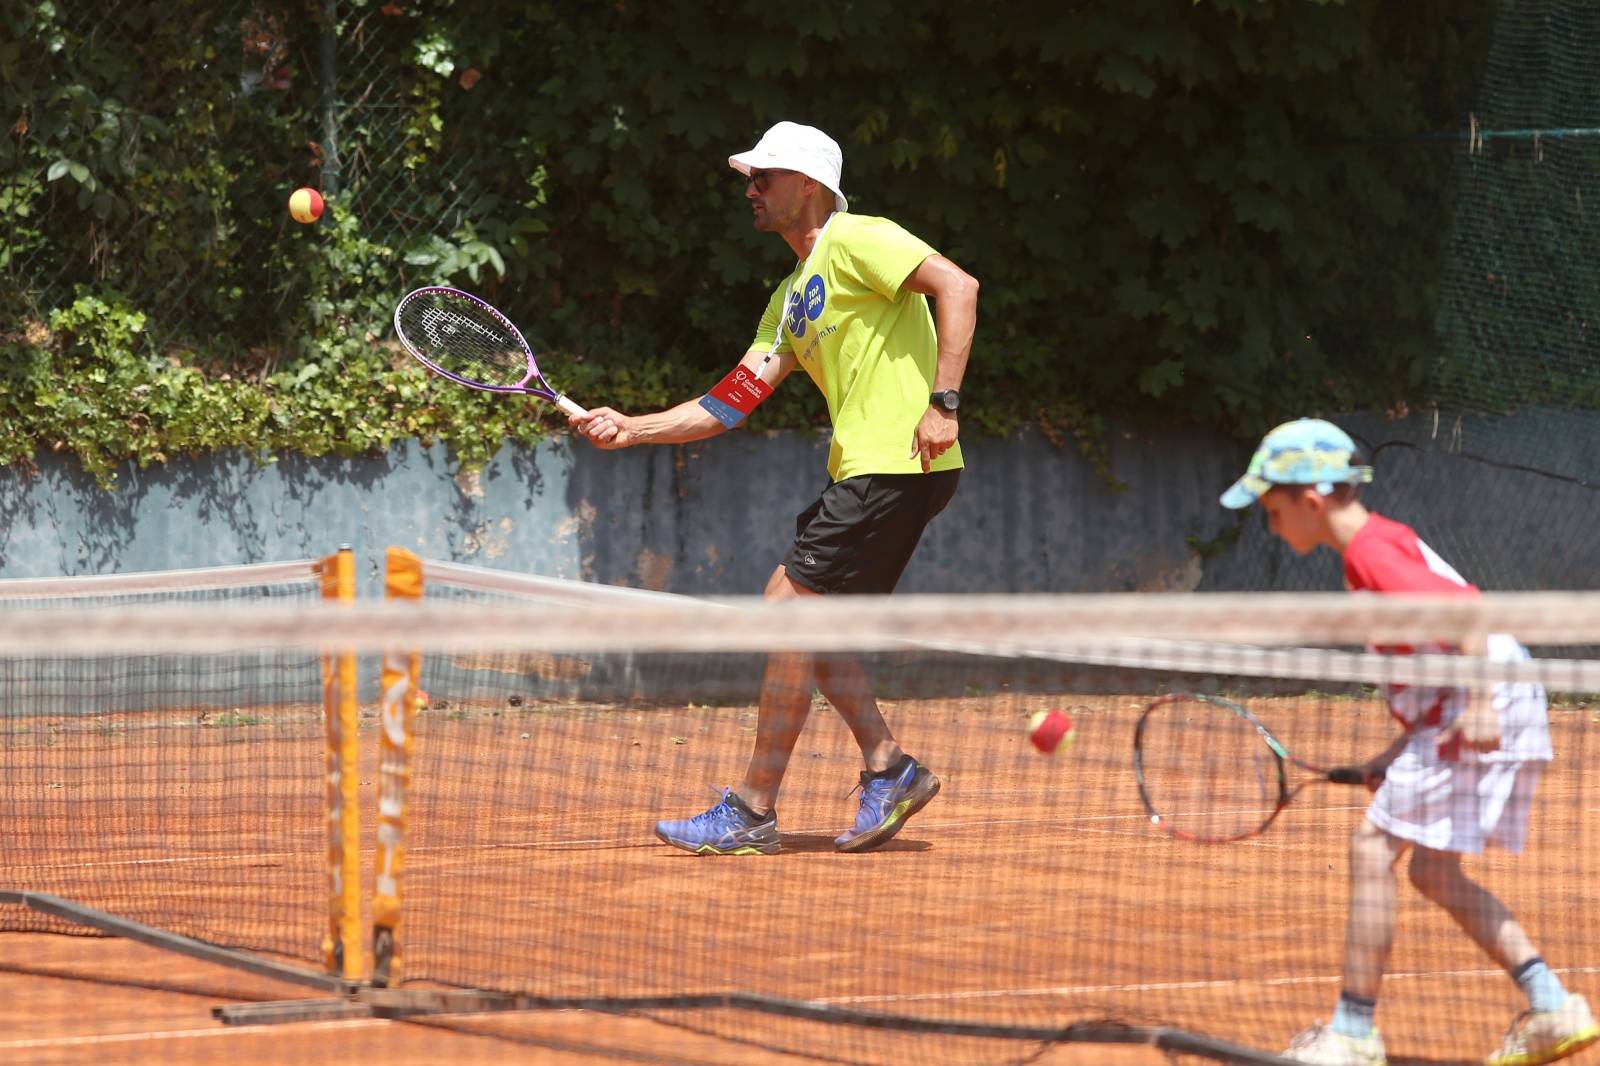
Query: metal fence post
(327, 73)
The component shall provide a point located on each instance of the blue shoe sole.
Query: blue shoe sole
(885, 830)
(712, 849)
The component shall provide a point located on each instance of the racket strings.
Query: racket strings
(466, 340)
(1206, 772)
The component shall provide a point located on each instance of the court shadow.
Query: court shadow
(813, 842)
(244, 988)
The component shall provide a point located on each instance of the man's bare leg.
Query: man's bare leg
(844, 682)
(785, 704)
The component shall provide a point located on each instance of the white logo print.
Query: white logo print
(439, 323)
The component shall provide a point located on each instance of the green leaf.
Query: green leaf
(1156, 380)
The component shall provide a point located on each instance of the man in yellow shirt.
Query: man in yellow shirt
(854, 315)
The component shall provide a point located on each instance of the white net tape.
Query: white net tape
(1257, 634)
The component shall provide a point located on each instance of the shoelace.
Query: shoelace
(1516, 1038)
(717, 815)
(873, 795)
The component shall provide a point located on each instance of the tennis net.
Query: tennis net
(180, 790)
(526, 734)
(1032, 902)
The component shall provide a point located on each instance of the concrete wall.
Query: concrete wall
(714, 518)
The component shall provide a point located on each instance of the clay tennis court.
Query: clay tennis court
(1032, 892)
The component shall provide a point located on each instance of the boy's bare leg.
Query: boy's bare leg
(1370, 932)
(1557, 1024)
(1439, 877)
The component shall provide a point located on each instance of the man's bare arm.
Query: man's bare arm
(689, 421)
(955, 317)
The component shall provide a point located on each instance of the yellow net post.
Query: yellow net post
(399, 707)
(341, 947)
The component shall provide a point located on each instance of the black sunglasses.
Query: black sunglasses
(761, 179)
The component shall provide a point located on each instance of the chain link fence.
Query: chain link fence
(335, 96)
(382, 160)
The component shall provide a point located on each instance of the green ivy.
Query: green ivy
(100, 391)
(1197, 211)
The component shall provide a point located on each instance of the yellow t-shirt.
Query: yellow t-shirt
(867, 343)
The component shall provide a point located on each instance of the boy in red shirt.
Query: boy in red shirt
(1461, 777)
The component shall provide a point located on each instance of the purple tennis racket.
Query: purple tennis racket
(458, 336)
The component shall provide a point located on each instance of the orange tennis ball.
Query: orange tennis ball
(1050, 731)
(305, 205)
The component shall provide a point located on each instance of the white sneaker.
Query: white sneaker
(1324, 1047)
(1548, 1035)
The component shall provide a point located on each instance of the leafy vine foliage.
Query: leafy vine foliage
(1198, 212)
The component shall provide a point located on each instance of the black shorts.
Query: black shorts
(859, 535)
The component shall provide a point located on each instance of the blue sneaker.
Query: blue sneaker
(729, 828)
(886, 803)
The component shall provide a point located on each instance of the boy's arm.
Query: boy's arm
(1383, 568)
(1477, 727)
(609, 429)
(1374, 768)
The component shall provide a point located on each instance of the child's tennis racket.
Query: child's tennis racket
(1210, 772)
(458, 336)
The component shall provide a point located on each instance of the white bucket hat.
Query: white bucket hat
(806, 149)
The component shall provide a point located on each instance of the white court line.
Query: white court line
(293, 856)
(1177, 986)
(185, 1034)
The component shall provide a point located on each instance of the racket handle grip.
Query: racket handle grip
(1352, 775)
(569, 407)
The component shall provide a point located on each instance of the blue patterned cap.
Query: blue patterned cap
(1307, 451)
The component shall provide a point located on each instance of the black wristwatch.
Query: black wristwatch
(948, 400)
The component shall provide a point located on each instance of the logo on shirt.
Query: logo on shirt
(796, 315)
(816, 297)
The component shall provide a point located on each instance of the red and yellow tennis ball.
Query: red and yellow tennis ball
(1050, 731)
(305, 205)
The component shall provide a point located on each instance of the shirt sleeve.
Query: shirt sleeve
(1384, 566)
(882, 254)
(767, 330)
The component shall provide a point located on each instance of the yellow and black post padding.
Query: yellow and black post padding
(341, 947)
(403, 582)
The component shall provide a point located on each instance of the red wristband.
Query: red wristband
(739, 393)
